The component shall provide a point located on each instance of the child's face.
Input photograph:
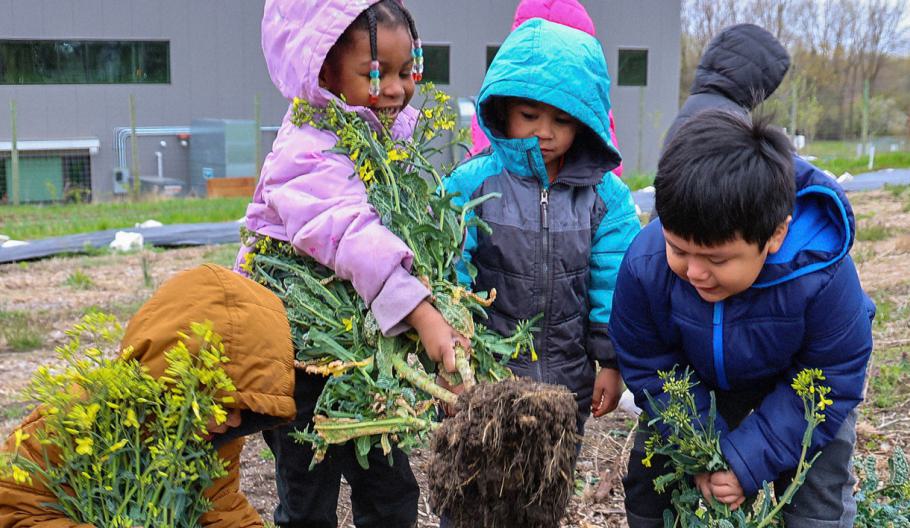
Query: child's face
(554, 128)
(721, 271)
(349, 73)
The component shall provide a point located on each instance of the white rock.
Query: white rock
(845, 177)
(126, 241)
(150, 223)
(13, 243)
(648, 189)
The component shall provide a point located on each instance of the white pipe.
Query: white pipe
(160, 157)
(122, 133)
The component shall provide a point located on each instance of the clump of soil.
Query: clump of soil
(507, 458)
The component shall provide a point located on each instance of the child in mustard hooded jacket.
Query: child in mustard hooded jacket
(261, 367)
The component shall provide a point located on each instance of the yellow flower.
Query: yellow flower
(220, 414)
(366, 171)
(84, 446)
(20, 475)
(428, 113)
(20, 437)
(397, 155)
(647, 460)
(354, 155)
(441, 97)
(824, 402)
(348, 324)
(131, 420)
(118, 446)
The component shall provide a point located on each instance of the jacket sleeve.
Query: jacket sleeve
(642, 347)
(838, 341)
(618, 227)
(24, 506)
(230, 509)
(326, 215)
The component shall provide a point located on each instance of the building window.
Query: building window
(633, 67)
(491, 54)
(84, 62)
(436, 63)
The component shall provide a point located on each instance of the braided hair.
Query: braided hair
(391, 13)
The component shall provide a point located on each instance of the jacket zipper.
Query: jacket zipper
(718, 345)
(545, 278)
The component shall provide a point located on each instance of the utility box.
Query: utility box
(221, 148)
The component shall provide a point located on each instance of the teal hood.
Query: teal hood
(562, 67)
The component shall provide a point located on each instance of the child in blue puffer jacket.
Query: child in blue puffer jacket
(746, 280)
(563, 221)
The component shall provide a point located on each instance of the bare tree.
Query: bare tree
(837, 46)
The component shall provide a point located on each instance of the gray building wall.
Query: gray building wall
(217, 69)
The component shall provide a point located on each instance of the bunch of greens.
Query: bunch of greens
(118, 447)
(382, 390)
(693, 447)
(883, 504)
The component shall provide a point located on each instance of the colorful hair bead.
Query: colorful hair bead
(374, 82)
(417, 54)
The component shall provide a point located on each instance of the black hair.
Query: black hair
(390, 13)
(724, 175)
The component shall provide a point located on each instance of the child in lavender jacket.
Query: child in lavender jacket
(322, 50)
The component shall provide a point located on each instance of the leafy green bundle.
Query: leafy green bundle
(381, 390)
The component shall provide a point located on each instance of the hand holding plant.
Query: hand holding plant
(693, 448)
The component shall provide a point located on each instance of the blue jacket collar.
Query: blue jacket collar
(821, 232)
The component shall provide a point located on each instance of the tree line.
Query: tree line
(850, 71)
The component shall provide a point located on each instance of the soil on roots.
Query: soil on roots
(507, 458)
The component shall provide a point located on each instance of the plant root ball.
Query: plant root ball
(507, 458)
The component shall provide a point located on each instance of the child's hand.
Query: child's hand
(726, 489)
(607, 390)
(437, 336)
(721, 485)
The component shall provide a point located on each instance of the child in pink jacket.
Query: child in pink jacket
(566, 12)
(368, 52)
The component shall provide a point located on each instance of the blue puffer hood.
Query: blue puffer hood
(535, 63)
(821, 232)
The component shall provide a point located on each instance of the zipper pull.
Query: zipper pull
(544, 201)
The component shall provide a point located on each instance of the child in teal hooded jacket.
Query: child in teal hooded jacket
(563, 221)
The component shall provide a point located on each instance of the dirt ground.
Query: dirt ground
(53, 300)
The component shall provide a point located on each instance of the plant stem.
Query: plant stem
(421, 380)
(339, 432)
(464, 367)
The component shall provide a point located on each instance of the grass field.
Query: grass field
(840, 156)
(30, 222)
